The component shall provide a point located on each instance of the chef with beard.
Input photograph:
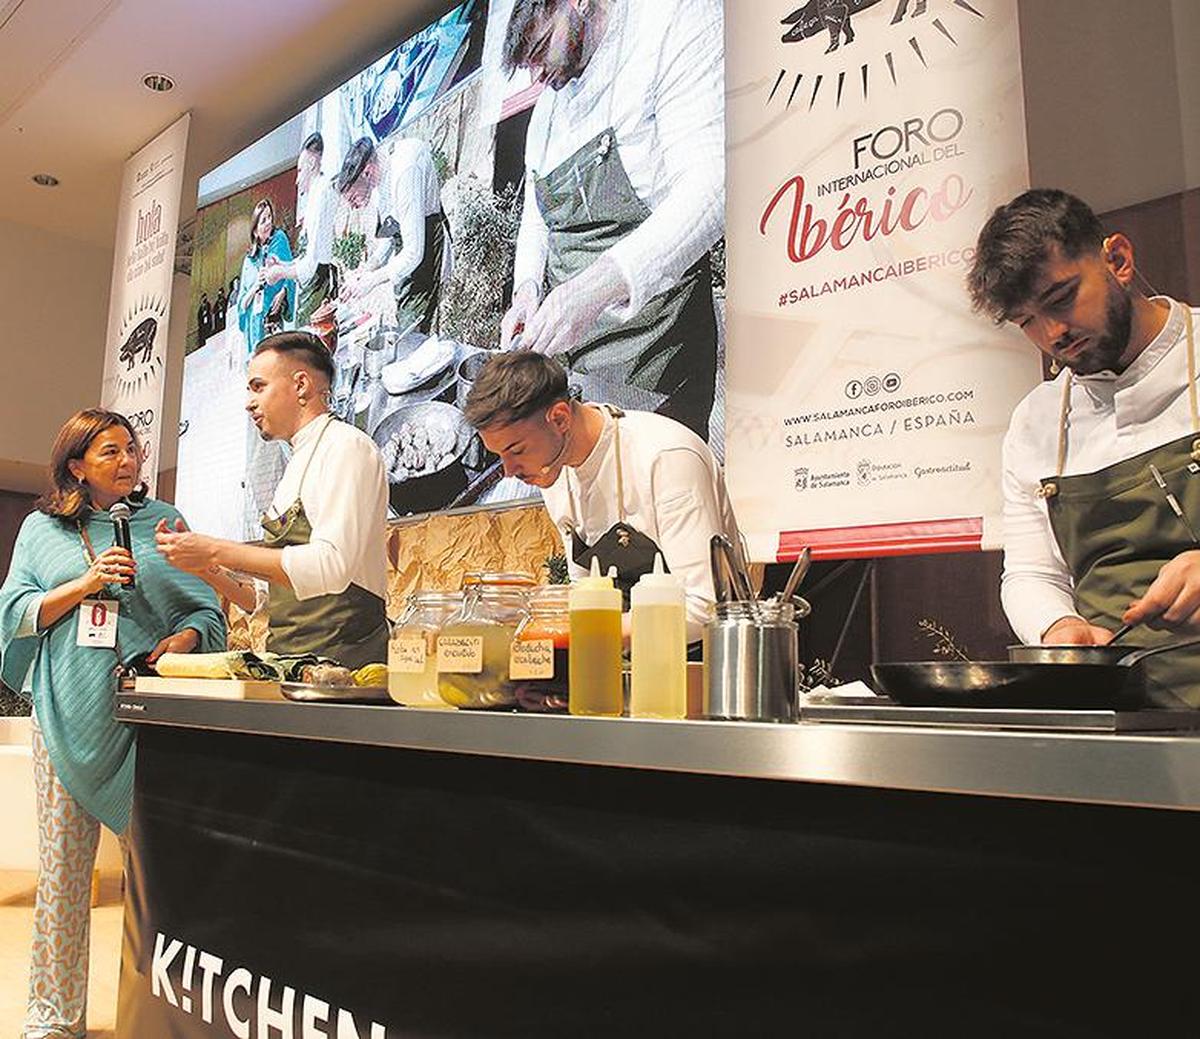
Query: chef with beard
(1101, 464)
(624, 195)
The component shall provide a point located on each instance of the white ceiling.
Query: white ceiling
(72, 103)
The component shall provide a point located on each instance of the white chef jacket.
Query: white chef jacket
(674, 494)
(1113, 417)
(658, 79)
(410, 190)
(317, 208)
(345, 498)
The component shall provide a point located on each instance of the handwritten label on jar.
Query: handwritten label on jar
(532, 659)
(460, 654)
(406, 655)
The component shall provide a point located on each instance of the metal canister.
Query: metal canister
(750, 661)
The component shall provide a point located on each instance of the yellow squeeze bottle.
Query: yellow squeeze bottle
(658, 646)
(594, 666)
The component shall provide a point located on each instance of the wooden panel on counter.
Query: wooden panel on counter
(433, 552)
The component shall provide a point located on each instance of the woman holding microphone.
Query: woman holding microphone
(74, 607)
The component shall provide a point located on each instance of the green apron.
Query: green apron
(417, 296)
(323, 284)
(350, 627)
(669, 347)
(1116, 530)
(320, 287)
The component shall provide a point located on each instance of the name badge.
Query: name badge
(97, 623)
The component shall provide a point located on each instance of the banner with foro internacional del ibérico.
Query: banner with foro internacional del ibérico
(868, 141)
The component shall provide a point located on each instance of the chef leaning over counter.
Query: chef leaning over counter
(624, 193)
(324, 539)
(1102, 464)
(619, 485)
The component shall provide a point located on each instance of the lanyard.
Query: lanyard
(89, 557)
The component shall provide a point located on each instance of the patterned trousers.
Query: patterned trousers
(67, 841)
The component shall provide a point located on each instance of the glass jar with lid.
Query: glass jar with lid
(474, 644)
(541, 651)
(412, 649)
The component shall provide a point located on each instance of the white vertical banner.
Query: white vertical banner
(139, 306)
(868, 141)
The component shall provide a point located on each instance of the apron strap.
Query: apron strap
(616, 414)
(620, 474)
(1064, 411)
(308, 462)
(89, 555)
(1191, 363)
(1193, 405)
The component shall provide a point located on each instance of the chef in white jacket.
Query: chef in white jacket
(312, 266)
(1101, 465)
(624, 194)
(401, 193)
(620, 486)
(323, 553)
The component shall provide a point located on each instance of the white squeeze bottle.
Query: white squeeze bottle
(658, 646)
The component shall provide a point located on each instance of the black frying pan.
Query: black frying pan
(1014, 684)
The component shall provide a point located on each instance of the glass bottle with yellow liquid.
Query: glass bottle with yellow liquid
(594, 684)
(658, 645)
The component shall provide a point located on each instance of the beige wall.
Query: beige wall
(54, 306)
(1104, 104)
(1186, 17)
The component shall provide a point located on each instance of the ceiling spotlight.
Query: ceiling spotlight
(158, 82)
(45, 180)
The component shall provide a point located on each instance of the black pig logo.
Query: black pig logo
(141, 339)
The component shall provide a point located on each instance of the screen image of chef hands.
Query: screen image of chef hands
(559, 322)
(272, 271)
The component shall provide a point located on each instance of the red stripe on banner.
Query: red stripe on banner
(519, 102)
(884, 539)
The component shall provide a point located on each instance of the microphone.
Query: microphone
(120, 514)
(554, 461)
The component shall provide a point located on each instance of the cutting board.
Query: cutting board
(217, 688)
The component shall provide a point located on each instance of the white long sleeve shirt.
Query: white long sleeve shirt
(318, 207)
(1112, 417)
(345, 498)
(410, 191)
(674, 494)
(657, 79)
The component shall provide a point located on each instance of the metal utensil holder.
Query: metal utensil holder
(750, 660)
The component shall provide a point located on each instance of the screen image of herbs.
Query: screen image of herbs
(350, 249)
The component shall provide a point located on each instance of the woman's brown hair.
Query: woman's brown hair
(255, 244)
(67, 498)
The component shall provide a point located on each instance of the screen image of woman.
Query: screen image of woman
(264, 307)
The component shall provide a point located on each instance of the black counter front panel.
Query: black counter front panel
(278, 885)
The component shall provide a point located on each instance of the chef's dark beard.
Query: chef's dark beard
(1118, 322)
(577, 30)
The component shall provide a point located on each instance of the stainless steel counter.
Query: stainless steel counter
(1160, 771)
